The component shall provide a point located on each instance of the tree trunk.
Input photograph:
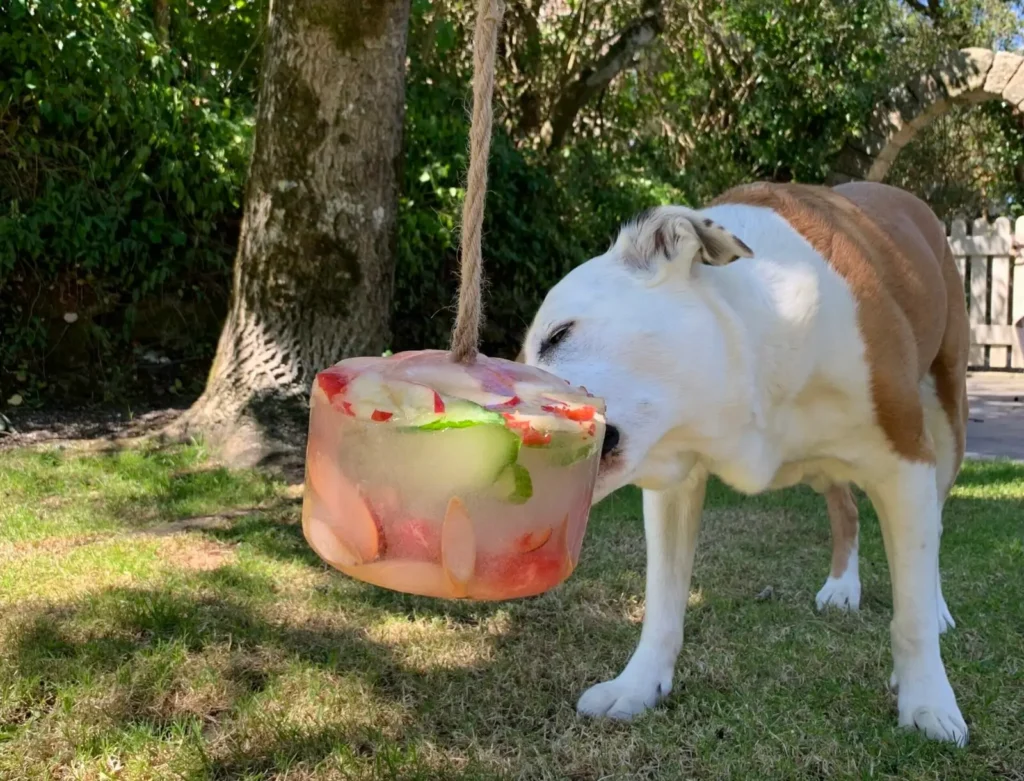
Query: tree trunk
(162, 20)
(314, 272)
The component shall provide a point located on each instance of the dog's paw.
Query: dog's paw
(627, 696)
(842, 593)
(931, 708)
(937, 723)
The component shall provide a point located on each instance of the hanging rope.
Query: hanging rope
(466, 336)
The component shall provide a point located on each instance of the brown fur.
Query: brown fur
(892, 251)
(842, 516)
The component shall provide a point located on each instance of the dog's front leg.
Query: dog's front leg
(671, 523)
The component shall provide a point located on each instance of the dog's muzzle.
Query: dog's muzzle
(611, 440)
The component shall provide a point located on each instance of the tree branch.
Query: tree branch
(931, 8)
(525, 55)
(594, 77)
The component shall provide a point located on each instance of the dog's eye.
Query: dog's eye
(555, 338)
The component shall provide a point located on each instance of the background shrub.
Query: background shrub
(121, 172)
(124, 151)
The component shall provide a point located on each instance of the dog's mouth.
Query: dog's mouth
(612, 438)
(611, 449)
(611, 464)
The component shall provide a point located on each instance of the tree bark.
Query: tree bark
(162, 20)
(314, 272)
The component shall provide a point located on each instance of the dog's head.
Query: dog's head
(633, 327)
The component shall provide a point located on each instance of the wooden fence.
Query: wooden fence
(991, 263)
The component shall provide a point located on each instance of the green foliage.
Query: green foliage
(543, 217)
(982, 149)
(120, 183)
(122, 158)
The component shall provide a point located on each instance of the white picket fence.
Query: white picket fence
(992, 266)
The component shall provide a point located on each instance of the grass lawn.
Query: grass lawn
(163, 618)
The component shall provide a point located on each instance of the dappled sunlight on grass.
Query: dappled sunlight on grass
(132, 649)
(53, 492)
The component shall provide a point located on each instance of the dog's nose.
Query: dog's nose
(611, 439)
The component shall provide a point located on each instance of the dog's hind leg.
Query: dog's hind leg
(671, 523)
(906, 498)
(948, 441)
(842, 588)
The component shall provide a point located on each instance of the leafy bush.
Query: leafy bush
(123, 159)
(120, 182)
(542, 219)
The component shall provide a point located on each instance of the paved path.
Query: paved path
(995, 428)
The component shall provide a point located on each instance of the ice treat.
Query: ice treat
(435, 478)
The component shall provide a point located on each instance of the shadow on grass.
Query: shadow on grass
(140, 639)
(551, 647)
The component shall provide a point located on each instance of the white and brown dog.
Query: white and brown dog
(785, 334)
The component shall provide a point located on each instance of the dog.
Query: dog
(784, 334)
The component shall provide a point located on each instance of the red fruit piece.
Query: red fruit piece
(534, 438)
(380, 415)
(578, 414)
(530, 541)
(438, 403)
(415, 539)
(332, 382)
(510, 576)
(581, 414)
(531, 437)
(524, 574)
(511, 403)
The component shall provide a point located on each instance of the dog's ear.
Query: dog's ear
(670, 239)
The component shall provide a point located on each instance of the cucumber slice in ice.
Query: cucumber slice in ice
(568, 449)
(459, 413)
(514, 484)
(458, 459)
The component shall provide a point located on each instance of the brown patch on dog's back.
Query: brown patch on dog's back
(892, 251)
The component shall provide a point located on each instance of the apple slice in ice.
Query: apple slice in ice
(487, 389)
(458, 546)
(345, 510)
(370, 397)
(322, 539)
(425, 578)
(366, 397)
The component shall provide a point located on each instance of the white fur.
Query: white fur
(842, 592)
(945, 471)
(908, 508)
(754, 371)
(671, 523)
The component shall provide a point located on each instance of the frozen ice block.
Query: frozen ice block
(434, 478)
